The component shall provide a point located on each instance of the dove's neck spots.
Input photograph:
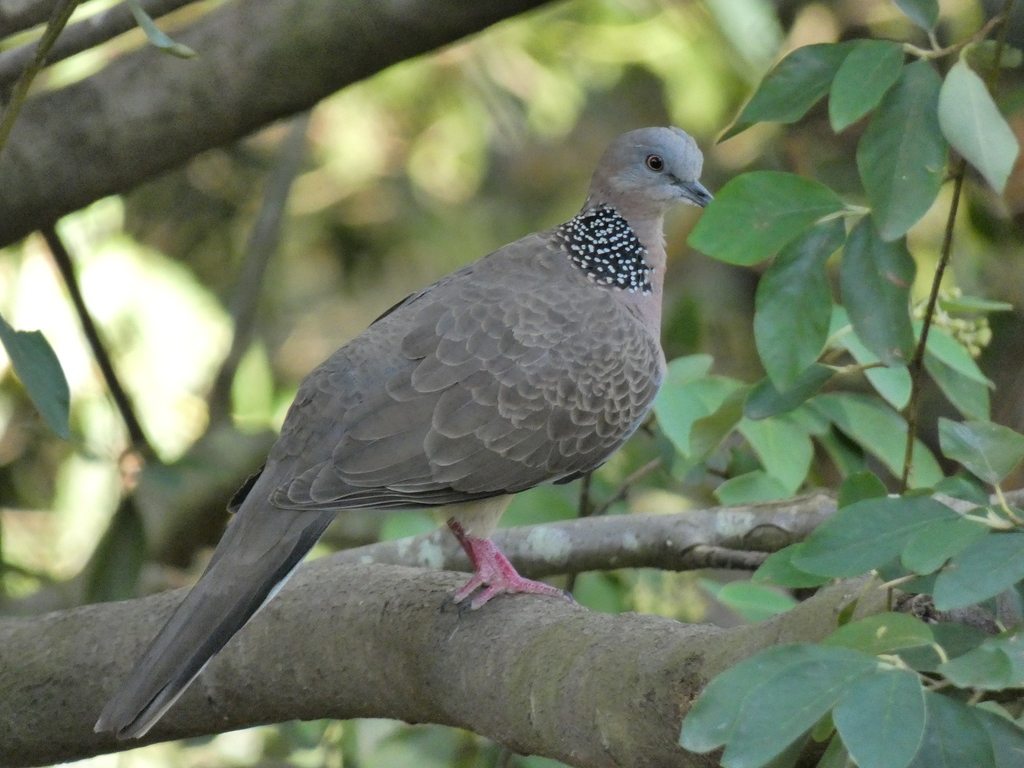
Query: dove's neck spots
(601, 243)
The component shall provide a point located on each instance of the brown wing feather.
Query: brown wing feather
(507, 375)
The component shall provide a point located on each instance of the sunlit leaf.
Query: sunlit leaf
(967, 395)
(875, 277)
(973, 304)
(792, 87)
(902, 155)
(38, 368)
(757, 213)
(870, 69)
(973, 124)
(708, 432)
(991, 451)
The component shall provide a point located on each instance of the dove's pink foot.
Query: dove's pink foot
(494, 572)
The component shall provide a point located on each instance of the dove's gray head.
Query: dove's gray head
(645, 172)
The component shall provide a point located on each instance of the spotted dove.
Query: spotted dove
(530, 365)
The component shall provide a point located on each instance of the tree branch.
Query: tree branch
(678, 542)
(147, 112)
(341, 641)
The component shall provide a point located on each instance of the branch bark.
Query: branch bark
(259, 61)
(341, 641)
(679, 542)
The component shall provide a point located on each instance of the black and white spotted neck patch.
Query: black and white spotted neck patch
(601, 242)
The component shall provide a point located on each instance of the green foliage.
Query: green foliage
(756, 214)
(870, 69)
(37, 366)
(794, 305)
(990, 451)
(972, 123)
(902, 155)
(875, 279)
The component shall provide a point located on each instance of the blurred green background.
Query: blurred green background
(407, 176)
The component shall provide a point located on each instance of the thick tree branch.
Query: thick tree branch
(258, 61)
(540, 676)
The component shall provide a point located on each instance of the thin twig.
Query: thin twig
(62, 258)
(85, 34)
(262, 245)
(61, 13)
(959, 173)
(917, 362)
(624, 488)
(937, 53)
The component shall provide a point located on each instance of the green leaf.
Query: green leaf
(865, 535)
(955, 640)
(688, 368)
(836, 755)
(881, 432)
(929, 549)
(973, 124)
(875, 277)
(766, 400)
(987, 668)
(881, 633)
(794, 304)
(792, 87)
(784, 449)
(751, 487)
(757, 213)
(870, 69)
(882, 719)
(1006, 737)
(753, 602)
(954, 736)
(38, 368)
(155, 36)
(709, 432)
(964, 485)
(991, 451)
(791, 701)
(116, 564)
(713, 717)
(902, 155)
(778, 569)
(983, 570)
(679, 406)
(966, 394)
(844, 452)
(924, 13)
(860, 486)
(893, 384)
(973, 305)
